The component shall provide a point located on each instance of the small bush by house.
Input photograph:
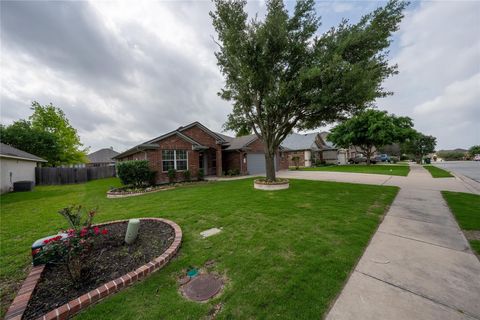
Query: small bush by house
(135, 172)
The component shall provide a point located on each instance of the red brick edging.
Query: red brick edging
(19, 304)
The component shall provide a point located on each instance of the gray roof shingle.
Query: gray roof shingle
(102, 156)
(241, 142)
(297, 141)
(8, 151)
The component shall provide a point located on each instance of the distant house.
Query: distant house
(194, 147)
(312, 148)
(102, 158)
(16, 165)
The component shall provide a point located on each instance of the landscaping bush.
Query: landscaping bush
(172, 175)
(233, 172)
(135, 172)
(201, 174)
(187, 176)
(296, 160)
(394, 159)
(73, 246)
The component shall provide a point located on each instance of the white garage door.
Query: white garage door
(256, 163)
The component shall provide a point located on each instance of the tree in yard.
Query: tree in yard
(280, 75)
(243, 131)
(419, 145)
(474, 150)
(49, 118)
(371, 129)
(23, 136)
(48, 135)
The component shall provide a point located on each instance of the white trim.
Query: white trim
(175, 159)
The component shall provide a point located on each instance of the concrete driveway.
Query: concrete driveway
(418, 264)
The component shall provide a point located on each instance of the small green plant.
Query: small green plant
(201, 174)
(187, 176)
(72, 247)
(172, 175)
(296, 161)
(135, 172)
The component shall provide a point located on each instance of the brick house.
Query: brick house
(194, 147)
(311, 148)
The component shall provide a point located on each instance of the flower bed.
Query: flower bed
(112, 265)
(131, 191)
(278, 184)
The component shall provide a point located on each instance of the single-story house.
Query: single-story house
(102, 158)
(194, 147)
(16, 165)
(312, 148)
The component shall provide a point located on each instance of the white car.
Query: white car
(477, 157)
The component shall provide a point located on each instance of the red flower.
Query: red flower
(83, 232)
(96, 230)
(104, 231)
(46, 241)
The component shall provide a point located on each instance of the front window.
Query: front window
(174, 159)
(168, 160)
(181, 160)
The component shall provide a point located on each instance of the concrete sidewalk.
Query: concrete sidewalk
(418, 264)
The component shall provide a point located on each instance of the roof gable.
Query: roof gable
(220, 138)
(7, 151)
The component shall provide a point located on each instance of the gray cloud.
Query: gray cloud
(63, 35)
(125, 73)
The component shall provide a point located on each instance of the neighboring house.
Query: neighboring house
(312, 148)
(16, 165)
(195, 147)
(102, 158)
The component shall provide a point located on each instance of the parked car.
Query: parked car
(360, 158)
(477, 157)
(382, 158)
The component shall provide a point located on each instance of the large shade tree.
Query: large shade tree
(23, 136)
(419, 145)
(280, 75)
(47, 134)
(371, 129)
(48, 118)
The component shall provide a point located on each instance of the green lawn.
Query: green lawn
(436, 172)
(388, 169)
(465, 207)
(286, 254)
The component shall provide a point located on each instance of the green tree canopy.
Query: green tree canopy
(474, 150)
(48, 135)
(49, 118)
(23, 136)
(280, 75)
(420, 145)
(371, 129)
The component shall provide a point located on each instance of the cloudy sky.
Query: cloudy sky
(127, 71)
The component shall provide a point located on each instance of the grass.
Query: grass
(436, 172)
(465, 207)
(286, 254)
(387, 169)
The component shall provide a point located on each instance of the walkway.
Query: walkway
(418, 264)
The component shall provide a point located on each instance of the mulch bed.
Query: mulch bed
(110, 258)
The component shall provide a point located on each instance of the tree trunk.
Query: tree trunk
(368, 155)
(270, 165)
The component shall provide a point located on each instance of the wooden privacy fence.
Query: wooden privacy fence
(71, 175)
